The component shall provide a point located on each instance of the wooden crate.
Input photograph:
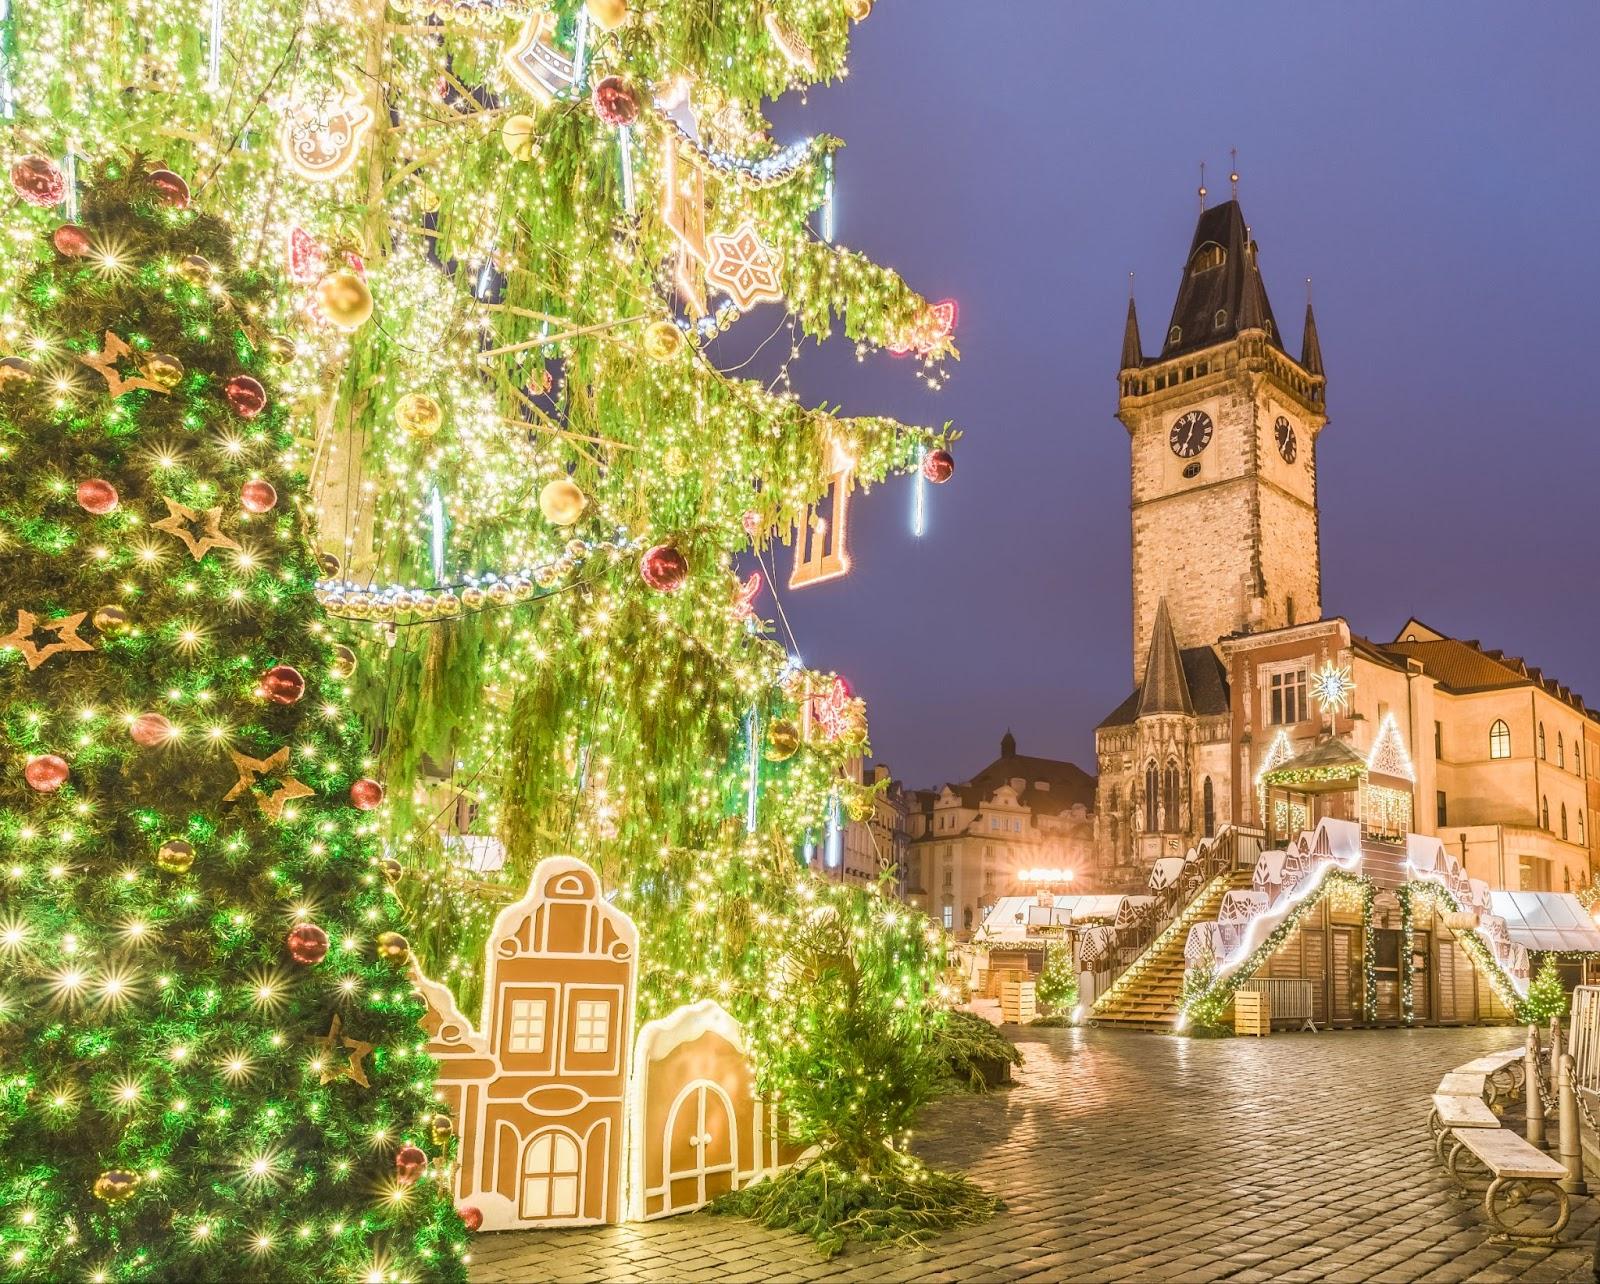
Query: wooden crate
(1017, 1004)
(1252, 1013)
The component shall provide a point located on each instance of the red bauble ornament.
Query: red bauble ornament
(307, 944)
(615, 101)
(170, 189)
(471, 1217)
(39, 181)
(46, 773)
(70, 240)
(96, 496)
(150, 730)
(258, 497)
(282, 684)
(664, 569)
(246, 395)
(939, 466)
(409, 1161)
(366, 795)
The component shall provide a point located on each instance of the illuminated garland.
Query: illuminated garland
(1439, 899)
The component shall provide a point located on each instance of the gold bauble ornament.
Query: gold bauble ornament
(279, 348)
(419, 415)
(499, 593)
(112, 620)
(344, 662)
(449, 604)
(391, 870)
(162, 368)
(473, 598)
(516, 136)
(344, 299)
(783, 738)
(441, 1129)
(394, 947)
(561, 501)
(194, 269)
(115, 1185)
(662, 340)
(858, 9)
(176, 855)
(608, 15)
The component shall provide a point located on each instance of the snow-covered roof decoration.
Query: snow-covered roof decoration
(1546, 921)
(1166, 872)
(1240, 905)
(1013, 916)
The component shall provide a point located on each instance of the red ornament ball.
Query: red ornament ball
(664, 569)
(150, 730)
(246, 395)
(39, 181)
(46, 773)
(258, 496)
(939, 466)
(282, 684)
(96, 496)
(409, 1161)
(170, 189)
(615, 101)
(366, 795)
(71, 241)
(307, 944)
(471, 1217)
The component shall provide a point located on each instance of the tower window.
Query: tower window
(1169, 797)
(1208, 257)
(1152, 798)
(1175, 335)
(1544, 812)
(1563, 821)
(1220, 320)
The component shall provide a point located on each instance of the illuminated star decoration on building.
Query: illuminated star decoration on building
(63, 632)
(251, 770)
(1331, 686)
(181, 518)
(107, 363)
(332, 1044)
(744, 266)
(322, 135)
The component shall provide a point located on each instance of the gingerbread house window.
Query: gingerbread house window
(528, 1020)
(592, 1027)
(550, 1176)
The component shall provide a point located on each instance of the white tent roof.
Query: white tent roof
(1013, 915)
(1546, 920)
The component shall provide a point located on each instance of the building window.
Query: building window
(1288, 697)
(1438, 741)
(949, 879)
(1174, 335)
(1561, 750)
(1541, 740)
(1210, 805)
(966, 919)
(1016, 826)
(1152, 800)
(1563, 820)
(1220, 320)
(949, 917)
(1208, 256)
(1582, 841)
(1544, 813)
(1288, 609)
(527, 1026)
(1169, 797)
(592, 1029)
(1499, 740)
(1439, 808)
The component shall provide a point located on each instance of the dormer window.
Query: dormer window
(1208, 257)
(1220, 320)
(1175, 335)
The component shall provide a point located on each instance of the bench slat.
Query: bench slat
(1464, 1112)
(1491, 1063)
(1458, 1084)
(1508, 1155)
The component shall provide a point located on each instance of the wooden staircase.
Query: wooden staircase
(1146, 995)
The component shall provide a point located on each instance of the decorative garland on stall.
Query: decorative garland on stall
(1437, 898)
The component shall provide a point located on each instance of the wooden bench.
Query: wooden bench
(1505, 1071)
(1460, 1083)
(1515, 1169)
(1450, 1113)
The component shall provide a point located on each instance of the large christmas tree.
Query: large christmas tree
(210, 1063)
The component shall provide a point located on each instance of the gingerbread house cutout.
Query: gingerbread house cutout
(537, 1090)
(697, 1126)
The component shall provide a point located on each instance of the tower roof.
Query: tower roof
(1132, 350)
(1310, 346)
(1221, 292)
(1164, 689)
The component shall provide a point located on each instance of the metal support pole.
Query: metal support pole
(1570, 1151)
(1530, 1091)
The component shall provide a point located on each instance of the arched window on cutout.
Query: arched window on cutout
(1209, 804)
(1544, 813)
(1152, 799)
(1499, 739)
(1169, 796)
(1541, 740)
(1563, 820)
(1561, 750)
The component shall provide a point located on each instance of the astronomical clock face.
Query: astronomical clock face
(1190, 434)
(1283, 430)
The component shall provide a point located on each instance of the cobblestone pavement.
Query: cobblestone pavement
(1125, 1156)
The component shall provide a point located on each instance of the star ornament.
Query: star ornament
(251, 770)
(335, 1042)
(1331, 687)
(182, 521)
(744, 266)
(61, 635)
(107, 363)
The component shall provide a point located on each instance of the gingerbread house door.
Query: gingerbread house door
(552, 1177)
(700, 1146)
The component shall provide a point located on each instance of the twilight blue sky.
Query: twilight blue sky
(1434, 167)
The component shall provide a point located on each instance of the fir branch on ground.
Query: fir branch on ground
(965, 1045)
(904, 1205)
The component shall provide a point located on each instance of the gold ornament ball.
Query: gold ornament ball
(783, 739)
(449, 604)
(394, 947)
(441, 1128)
(115, 1185)
(279, 348)
(473, 598)
(162, 368)
(391, 870)
(662, 340)
(516, 136)
(858, 9)
(344, 299)
(561, 502)
(112, 620)
(608, 15)
(176, 856)
(194, 269)
(499, 593)
(419, 415)
(344, 662)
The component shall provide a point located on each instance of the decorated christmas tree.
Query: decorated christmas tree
(210, 1063)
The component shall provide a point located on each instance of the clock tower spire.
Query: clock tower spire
(1223, 426)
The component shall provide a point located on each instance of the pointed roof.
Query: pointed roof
(1008, 745)
(1310, 346)
(1221, 281)
(1164, 689)
(1132, 351)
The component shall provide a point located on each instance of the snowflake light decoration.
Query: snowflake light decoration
(745, 266)
(1331, 687)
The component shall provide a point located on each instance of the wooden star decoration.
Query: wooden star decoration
(63, 632)
(107, 361)
(332, 1044)
(179, 519)
(252, 770)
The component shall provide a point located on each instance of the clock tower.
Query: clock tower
(1223, 426)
